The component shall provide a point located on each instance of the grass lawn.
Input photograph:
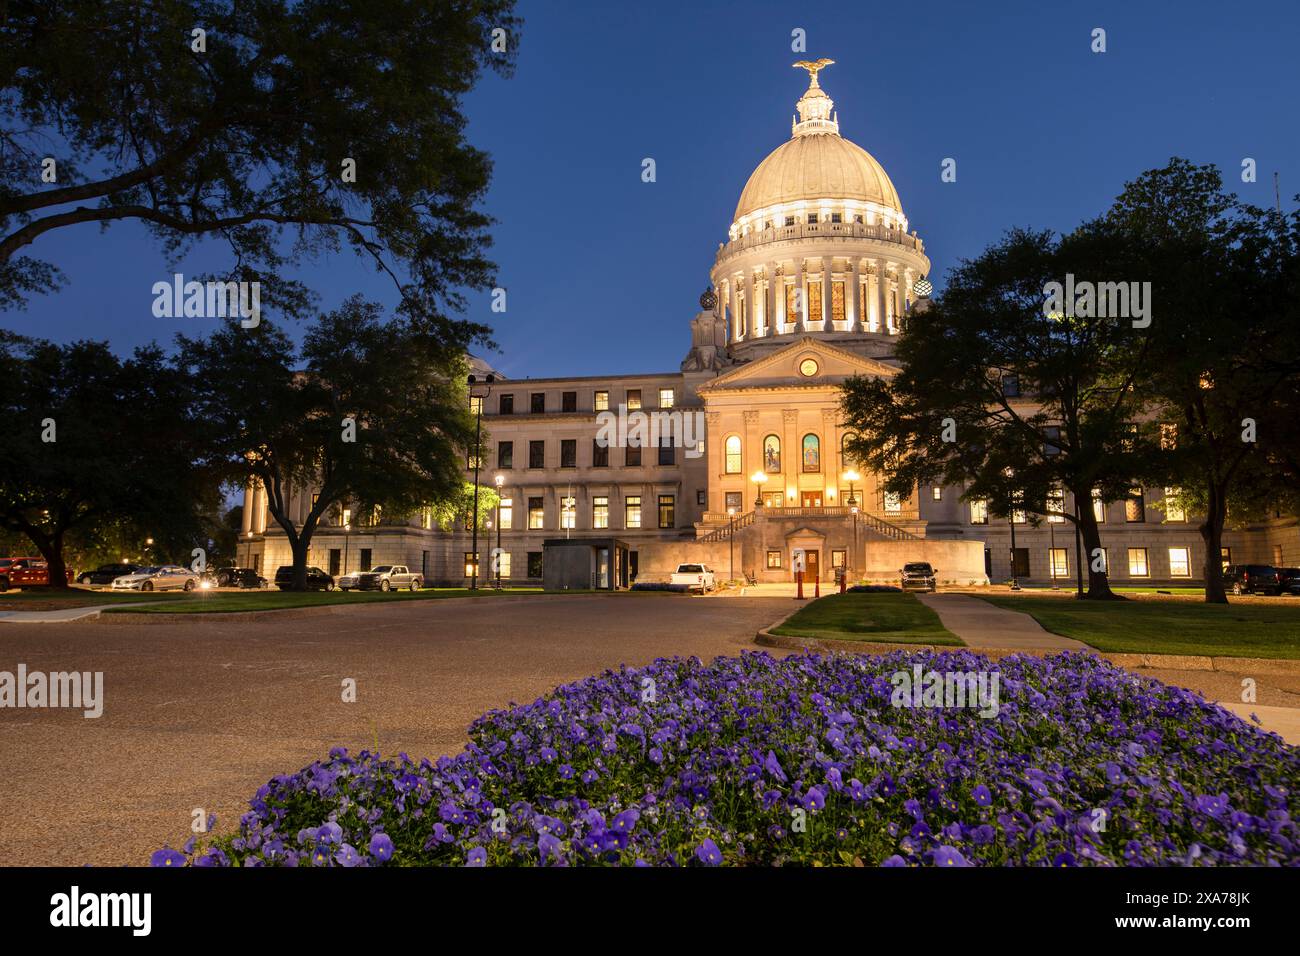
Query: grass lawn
(1168, 627)
(893, 618)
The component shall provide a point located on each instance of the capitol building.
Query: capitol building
(819, 268)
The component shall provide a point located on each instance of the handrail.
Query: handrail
(821, 230)
(873, 522)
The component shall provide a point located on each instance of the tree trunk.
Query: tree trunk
(51, 548)
(1216, 515)
(1098, 581)
(299, 547)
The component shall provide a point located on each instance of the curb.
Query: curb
(1234, 665)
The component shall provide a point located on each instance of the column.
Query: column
(857, 324)
(778, 301)
(906, 291)
(751, 316)
(882, 290)
(791, 457)
(259, 509)
(773, 294)
(714, 450)
(752, 451)
(826, 293)
(801, 320)
(246, 521)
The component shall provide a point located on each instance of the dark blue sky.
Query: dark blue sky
(603, 271)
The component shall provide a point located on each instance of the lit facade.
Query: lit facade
(809, 288)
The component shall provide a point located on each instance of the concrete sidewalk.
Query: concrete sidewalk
(981, 624)
(61, 616)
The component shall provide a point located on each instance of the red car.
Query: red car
(26, 573)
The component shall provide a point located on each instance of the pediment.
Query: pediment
(788, 367)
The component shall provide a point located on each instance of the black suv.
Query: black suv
(1252, 579)
(106, 573)
(1289, 580)
(317, 580)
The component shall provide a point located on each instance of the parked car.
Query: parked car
(238, 578)
(164, 577)
(918, 576)
(317, 580)
(696, 577)
(1252, 579)
(26, 573)
(1289, 580)
(106, 573)
(386, 577)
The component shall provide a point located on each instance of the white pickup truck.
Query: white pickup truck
(386, 577)
(695, 577)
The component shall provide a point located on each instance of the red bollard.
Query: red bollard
(843, 581)
(798, 576)
(817, 586)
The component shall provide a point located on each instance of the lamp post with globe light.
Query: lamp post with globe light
(852, 477)
(758, 478)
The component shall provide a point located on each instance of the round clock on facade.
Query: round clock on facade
(808, 367)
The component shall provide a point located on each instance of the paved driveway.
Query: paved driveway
(200, 713)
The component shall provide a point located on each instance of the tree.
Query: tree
(1225, 336)
(96, 449)
(1015, 403)
(375, 415)
(336, 120)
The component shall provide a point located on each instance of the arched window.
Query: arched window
(772, 455)
(812, 453)
(732, 447)
(847, 460)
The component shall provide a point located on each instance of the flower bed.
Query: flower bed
(758, 761)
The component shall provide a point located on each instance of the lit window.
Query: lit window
(1174, 510)
(774, 559)
(1135, 507)
(633, 399)
(979, 511)
(812, 453)
(602, 401)
(837, 558)
(476, 404)
(1059, 562)
(1137, 562)
(536, 514)
(733, 465)
(600, 512)
(1180, 563)
(837, 301)
(471, 564)
(507, 514)
(937, 493)
(815, 301)
(1098, 507)
(735, 502)
(502, 561)
(772, 454)
(632, 511)
(893, 504)
(1168, 435)
(568, 511)
(666, 398)
(1056, 506)
(667, 511)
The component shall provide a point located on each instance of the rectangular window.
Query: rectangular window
(633, 399)
(838, 558)
(506, 405)
(1174, 510)
(666, 398)
(789, 220)
(837, 301)
(1168, 435)
(815, 300)
(979, 511)
(1098, 508)
(812, 218)
(505, 454)
(1180, 563)
(836, 217)
(568, 401)
(568, 513)
(632, 511)
(735, 502)
(537, 454)
(1020, 563)
(731, 453)
(1225, 558)
(502, 569)
(1056, 506)
(538, 403)
(600, 512)
(1052, 441)
(667, 453)
(599, 454)
(536, 514)
(568, 453)
(601, 401)
(1059, 562)
(937, 493)
(1137, 562)
(1010, 386)
(365, 559)
(534, 564)
(507, 514)
(667, 511)
(773, 499)
(476, 404)
(701, 497)
(471, 564)
(1135, 507)
(632, 456)
(774, 559)
(893, 504)
(791, 304)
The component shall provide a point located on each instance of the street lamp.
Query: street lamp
(759, 478)
(347, 527)
(500, 481)
(852, 477)
(485, 391)
(731, 542)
